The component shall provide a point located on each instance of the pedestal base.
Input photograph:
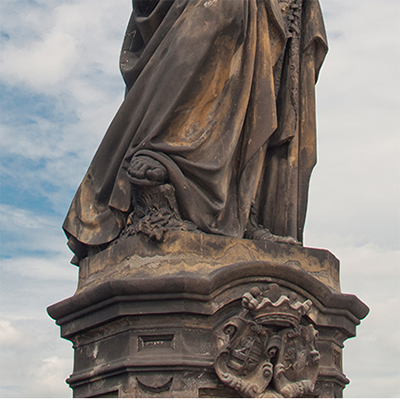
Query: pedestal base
(149, 320)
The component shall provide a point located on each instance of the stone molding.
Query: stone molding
(149, 331)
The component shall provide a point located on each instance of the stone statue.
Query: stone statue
(217, 130)
(213, 145)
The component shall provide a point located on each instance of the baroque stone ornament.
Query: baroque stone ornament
(268, 352)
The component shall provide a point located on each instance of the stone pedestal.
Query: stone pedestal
(168, 320)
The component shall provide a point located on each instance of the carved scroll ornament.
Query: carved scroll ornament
(268, 352)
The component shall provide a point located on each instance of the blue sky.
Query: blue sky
(59, 89)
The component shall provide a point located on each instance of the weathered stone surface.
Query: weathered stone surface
(216, 135)
(151, 325)
(188, 253)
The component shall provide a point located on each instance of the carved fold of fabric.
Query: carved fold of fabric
(201, 100)
(282, 195)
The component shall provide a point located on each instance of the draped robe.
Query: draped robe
(209, 94)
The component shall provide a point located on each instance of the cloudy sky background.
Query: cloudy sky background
(60, 87)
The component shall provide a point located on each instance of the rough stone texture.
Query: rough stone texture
(147, 319)
(200, 254)
(215, 135)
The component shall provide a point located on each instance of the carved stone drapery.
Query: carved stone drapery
(220, 105)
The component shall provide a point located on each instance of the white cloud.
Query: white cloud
(48, 378)
(45, 64)
(35, 365)
(26, 231)
(65, 35)
(44, 268)
(15, 219)
(10, 337)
